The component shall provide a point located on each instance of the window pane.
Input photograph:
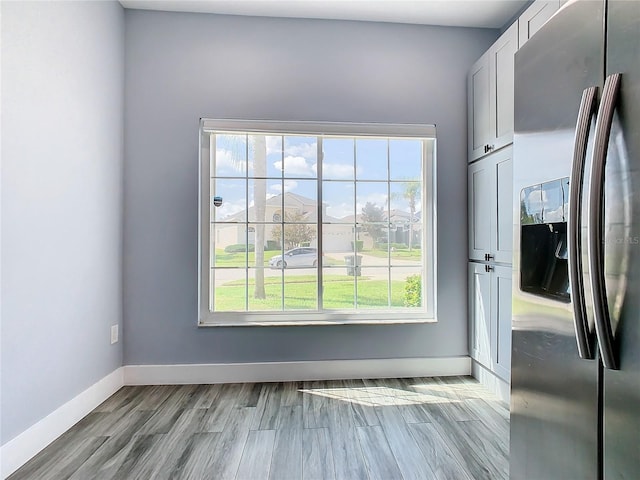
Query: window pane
(265, 201)
(405, 159)
(338, 289)
(301, 289)
(373, 287)
(406, 211)
(371, 159)
(372, 201)
(274, 156)
(233, 195)
(301, 241)
(406, 287)
(373, 244)
(229, 289)
(337, 160)
(300, 156)
(230, 157)
(301, 201)
(338, 204)
(337, 242)
(265, 289)
(230, 243)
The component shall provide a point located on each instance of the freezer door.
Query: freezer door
(554, 393)
(622, 247)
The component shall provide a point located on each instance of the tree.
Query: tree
(295, 233)
(260, 200)
(410, 192)
(372, 218)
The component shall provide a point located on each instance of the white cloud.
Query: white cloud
(228, 209)
(337, 170)
(306, 150)
(228, 160)
(289, 185)
(340, 210)
(295, 166)
(274, 145)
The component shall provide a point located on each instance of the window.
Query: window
(316, 223)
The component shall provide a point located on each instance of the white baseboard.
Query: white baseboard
(491, 382)
(295, 371)
(22, 448)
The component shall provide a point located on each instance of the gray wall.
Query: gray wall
(180, 67)
(62, 141)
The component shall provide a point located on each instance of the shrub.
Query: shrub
(272, 245)
(239, 247)
(358, 245)
(413, 291)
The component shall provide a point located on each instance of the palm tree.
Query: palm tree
(411, 192)
(260, 199)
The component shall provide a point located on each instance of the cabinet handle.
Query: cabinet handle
(488, 268)
(488, 257)
(490, 148)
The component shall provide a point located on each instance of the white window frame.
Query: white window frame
(427, 314)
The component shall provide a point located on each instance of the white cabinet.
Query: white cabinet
(490, 88)
(490, 209)
(480, 313)
(490, 314)
(534, 17)
(479, 126)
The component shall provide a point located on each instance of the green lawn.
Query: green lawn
(300, 293)
(399, 254)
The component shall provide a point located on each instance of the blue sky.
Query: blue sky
(292, 167)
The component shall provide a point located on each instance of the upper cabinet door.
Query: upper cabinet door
(490, 97)
(534, 17)
(478, 89)
(502, 69)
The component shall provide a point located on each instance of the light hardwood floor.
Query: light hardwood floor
(410, 428)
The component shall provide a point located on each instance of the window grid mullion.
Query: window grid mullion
(319, 230)
(246, 226)
(355, 230)
(389, 302)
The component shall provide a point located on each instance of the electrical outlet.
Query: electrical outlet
(114, 334)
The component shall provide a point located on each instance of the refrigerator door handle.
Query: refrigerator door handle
(583, 126)
(596, 200)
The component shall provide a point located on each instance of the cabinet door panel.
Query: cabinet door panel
(479, 115)
(502, 70)
(534, 18)
(501, 322)
(480, 314)
(481, 199)
(503, 231)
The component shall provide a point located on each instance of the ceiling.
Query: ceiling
(459, 13)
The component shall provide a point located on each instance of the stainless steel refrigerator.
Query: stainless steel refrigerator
(575, 386)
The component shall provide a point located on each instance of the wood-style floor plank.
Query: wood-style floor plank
(415, 428)
(438, 455)
(256, 457)
(381, 464)
(317, 458)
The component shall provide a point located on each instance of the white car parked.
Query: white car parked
(300, 257)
